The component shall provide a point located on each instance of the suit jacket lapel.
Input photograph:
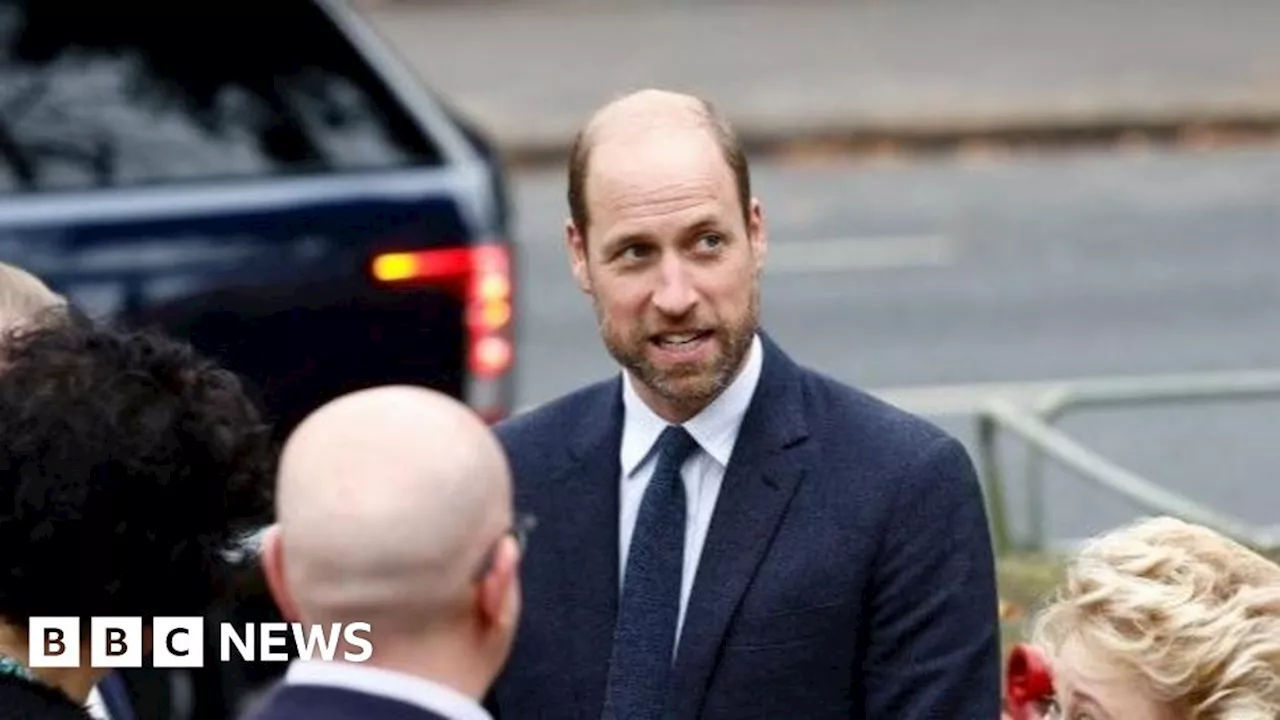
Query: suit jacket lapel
(762, 476)
(587, 531)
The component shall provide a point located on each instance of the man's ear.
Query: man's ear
(499, 591)
(271, 559)
(576, 244)
(758, 233)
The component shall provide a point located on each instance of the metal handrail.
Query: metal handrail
(1045, 441)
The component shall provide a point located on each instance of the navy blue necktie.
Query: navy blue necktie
(644, 641)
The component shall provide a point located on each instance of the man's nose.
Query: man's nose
(675, 294)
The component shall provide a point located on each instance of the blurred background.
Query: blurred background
(967, 199)
(1050, 226)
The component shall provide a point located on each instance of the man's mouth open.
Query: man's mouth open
(682, 343)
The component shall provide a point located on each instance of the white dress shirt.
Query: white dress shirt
(95, 706)
(716, 430)
(437, 698)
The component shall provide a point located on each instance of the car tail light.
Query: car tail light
(450, 264)
(481, 275)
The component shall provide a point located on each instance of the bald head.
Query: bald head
(641, 116)
(649, 110)
(386, 503)
(23, 297)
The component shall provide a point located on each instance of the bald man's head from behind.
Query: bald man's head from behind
(25, 300)
(394, 507)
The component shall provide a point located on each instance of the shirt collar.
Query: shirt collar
(715, 428)
(409, 689)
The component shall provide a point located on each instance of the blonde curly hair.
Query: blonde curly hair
(1192, 613)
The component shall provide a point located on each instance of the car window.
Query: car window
(132, 92)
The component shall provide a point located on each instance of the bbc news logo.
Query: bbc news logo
(116, 642)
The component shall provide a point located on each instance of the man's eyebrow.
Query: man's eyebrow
(612, 245)
(709, 222)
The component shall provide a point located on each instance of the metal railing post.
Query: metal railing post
(1096, 469)
(993, 484)
(1048, 410)
(1044, 442)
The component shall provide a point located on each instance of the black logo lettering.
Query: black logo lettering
(115, 639)
(168, 641)
(53, 638)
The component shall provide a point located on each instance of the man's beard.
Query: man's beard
(691, 388)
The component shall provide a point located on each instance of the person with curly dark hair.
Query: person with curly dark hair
(131, 466)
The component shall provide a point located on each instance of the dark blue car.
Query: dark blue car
(264, 179)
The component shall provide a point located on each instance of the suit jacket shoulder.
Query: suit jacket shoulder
(557, 413)
(904, 472)
(859, 423)
(315, 702)
(861, 447)
(538, 439)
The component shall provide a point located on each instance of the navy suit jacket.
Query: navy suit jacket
(848, 570)
(318, 702)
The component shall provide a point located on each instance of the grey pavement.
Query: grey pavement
(928, 280)
(531, 71)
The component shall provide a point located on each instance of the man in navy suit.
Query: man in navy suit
(724, 533)
(394, 508)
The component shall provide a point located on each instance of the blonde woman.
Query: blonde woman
(1163, 620)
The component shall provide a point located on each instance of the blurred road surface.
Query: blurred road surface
(934, 277)
(531, 71)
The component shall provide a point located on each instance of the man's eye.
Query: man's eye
(712, 240)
